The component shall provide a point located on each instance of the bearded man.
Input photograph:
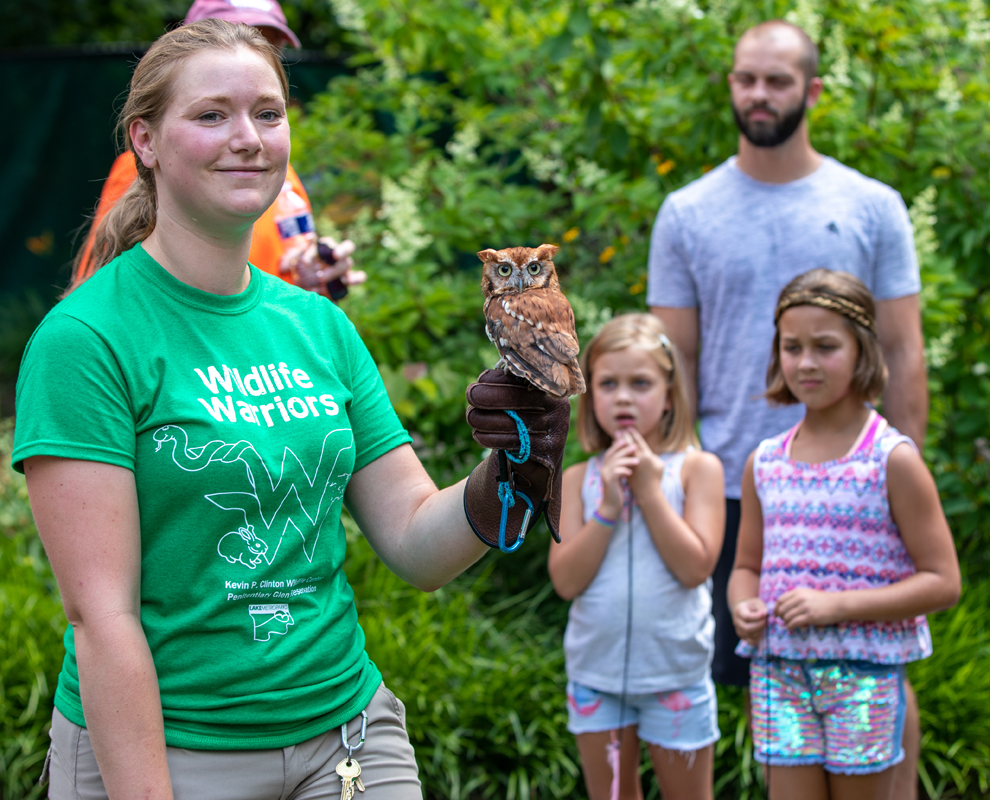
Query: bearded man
(725, 245)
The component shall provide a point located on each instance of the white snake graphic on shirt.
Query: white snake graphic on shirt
(295, 500)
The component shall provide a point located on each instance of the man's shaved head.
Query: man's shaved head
(806, 51)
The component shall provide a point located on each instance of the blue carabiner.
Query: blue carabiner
(505, 494)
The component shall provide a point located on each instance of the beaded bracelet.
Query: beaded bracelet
(604, 521)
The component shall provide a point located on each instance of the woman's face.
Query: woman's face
(221, 151)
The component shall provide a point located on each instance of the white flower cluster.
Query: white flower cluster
(589, 174)
(977, 25)
(948, 90)
(923, 219)
(938, 350)
(349, 14)
(546, 167)
(674, 8)
(894, 114)
(463, 148)
(837, 78)
(805, 15)
(405, 236)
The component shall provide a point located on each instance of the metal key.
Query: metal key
(349, 771)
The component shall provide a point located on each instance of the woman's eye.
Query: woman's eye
(534, 268)
(210, 116)
(270, 116)
(642, 383)
(607, 383)
(504, 270)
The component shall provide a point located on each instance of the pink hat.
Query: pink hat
(258, 13)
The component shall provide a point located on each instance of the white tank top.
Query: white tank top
(672, 627)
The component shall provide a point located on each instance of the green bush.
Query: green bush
(31, 652)
(504, 123)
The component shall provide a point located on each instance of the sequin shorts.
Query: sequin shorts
(845, 715)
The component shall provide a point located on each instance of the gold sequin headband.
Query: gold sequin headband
(849, 310)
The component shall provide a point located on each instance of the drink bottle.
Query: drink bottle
(295, 226)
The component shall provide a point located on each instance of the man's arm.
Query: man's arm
(905, 400)
(682, 328)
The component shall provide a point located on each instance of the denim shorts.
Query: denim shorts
(845, 715)
(683, 719)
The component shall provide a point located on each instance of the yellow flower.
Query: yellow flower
(637, 288)
(607, 254)
(664, 167)
(572, 234)
(941, 172)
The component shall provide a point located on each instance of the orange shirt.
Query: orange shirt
(266, 245)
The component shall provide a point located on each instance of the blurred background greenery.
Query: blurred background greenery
(459, 126)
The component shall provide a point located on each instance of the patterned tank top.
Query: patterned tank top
(828, 527)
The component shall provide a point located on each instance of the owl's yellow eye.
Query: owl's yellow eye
(504, 270)
(534, 268)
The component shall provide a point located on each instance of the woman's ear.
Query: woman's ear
(143, 142)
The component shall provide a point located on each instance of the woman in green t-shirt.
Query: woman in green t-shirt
(190, 428)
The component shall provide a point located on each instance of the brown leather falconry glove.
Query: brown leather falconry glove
(534, 484)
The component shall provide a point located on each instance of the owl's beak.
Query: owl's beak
(520, 280)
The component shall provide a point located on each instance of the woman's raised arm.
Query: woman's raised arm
(87, 516)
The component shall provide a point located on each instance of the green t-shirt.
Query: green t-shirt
(242, 417)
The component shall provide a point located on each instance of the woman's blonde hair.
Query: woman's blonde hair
(644, 332)
(133, 217)
(846, 295)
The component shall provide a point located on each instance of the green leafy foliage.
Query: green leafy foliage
(506, 123)
(32, 623)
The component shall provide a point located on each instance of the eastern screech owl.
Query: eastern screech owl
(529, 320)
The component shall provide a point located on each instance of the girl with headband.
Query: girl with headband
(843, 548)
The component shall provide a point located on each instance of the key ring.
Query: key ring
(343, 736)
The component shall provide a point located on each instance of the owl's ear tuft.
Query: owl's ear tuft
(546, 252)
(488, 255)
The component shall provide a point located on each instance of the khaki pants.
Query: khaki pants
(305, 771)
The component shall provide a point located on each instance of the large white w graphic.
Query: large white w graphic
(296, 500)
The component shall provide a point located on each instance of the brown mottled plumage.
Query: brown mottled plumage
(529, 320)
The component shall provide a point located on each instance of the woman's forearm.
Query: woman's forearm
(119, 690)
(436, 544)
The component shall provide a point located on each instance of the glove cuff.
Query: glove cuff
(485, 509)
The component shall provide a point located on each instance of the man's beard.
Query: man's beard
(770, 134)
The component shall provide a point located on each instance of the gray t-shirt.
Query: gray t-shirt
(726, 244)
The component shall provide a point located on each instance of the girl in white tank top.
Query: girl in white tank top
(641, 529)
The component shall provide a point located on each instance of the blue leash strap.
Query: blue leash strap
(507, 492)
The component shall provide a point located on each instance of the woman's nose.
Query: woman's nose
(244, 136)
